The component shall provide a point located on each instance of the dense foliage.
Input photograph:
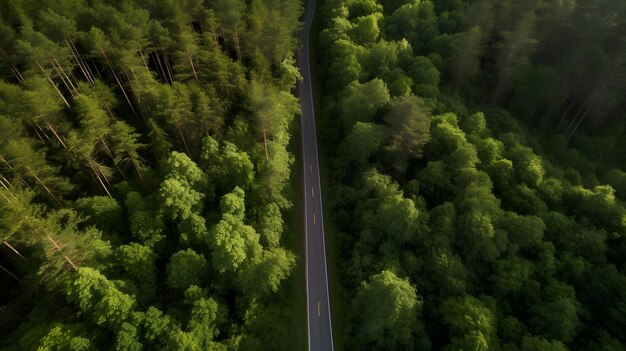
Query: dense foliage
(477, 183)
(144, 174)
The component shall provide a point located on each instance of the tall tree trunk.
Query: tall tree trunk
(69, 261)
(183, 138)
(56, 135)
(11, 274)
(167, 63)
(41, 183)
(96, 173)
(193, 69)
(53, 85)
(14, 250)
(119, 83)
(67, 84)
(267, 156)
(79, 61)
(15, 172)
(237, 46)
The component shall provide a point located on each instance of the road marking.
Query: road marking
(313, 217)
(312, 193)
(311, 168)
(318, 308)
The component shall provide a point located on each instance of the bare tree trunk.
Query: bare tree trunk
(75, 87)
(194, 70)
(167, 64)
(59, 250)
(143, 59)
(569, 107)
(13, 170)
(81, 64)
(14, 250)
(108, 151)
(56, 135)
(267, 157)
(119, 83)
(17, 74)
(162, 68)
(96, 173)
(53, 85)
(183, 138)
(237, 47)
(42, 131)
(44, 186)
(11, 274)
(67, 85)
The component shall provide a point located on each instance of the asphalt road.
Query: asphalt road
(320, 333)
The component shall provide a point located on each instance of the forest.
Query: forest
(146, 174)
(476, 170)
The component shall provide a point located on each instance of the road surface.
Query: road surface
(320, 335)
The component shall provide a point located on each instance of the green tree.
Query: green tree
(472, 324)
(386, 309)
(232, 241)
(186, 268)
(266, 275)
(138, 263)
(361, 101)
(409, 124)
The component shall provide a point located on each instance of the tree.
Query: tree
(556, 317)
(265, 276)
(231, 18)
(186, 268)
(409, 124)
(469, 49)
(99, 297)
(271, 27)
(415, 20)
(270, 224)
(513, 51)
(536, 343)
(232, 241)
(61, 337)
(125, 147)
(105, 213)
(359, 145)
(472, 324)
(179, 201)
(138, 262)
(226, 165)
(386, 308)
(365, 30)
(360, 101)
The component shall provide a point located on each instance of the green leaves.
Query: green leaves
(472, 324)
(99, 297)
(361, 101)
(385, 308)
(232, 241)
(265, 276)
(186, 268)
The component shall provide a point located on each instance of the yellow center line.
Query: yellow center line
(318, 308)
(313, 217)
(312, 193)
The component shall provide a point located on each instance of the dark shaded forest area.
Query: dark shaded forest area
(477, 172)
(145, 174)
